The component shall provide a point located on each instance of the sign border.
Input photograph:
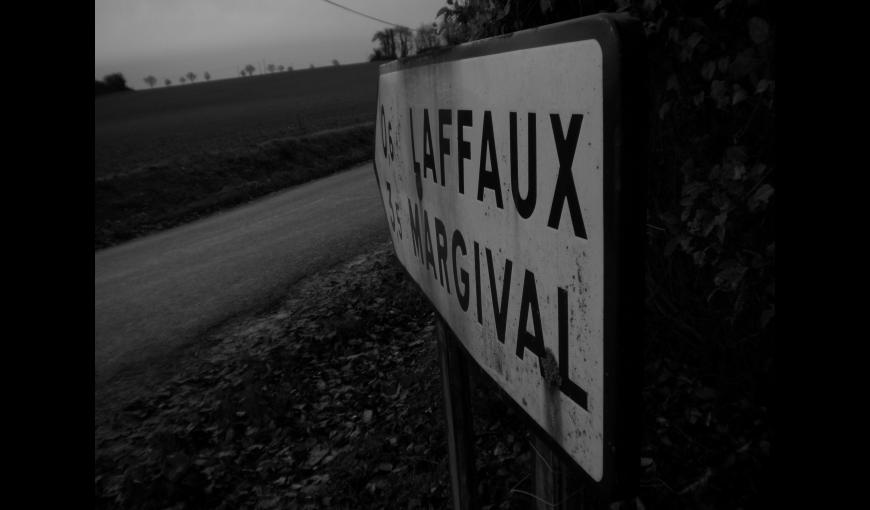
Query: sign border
(625, 156)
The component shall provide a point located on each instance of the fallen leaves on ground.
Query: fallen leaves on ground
(333, 399)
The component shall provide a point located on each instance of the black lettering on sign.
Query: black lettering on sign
(568, 387)
(414, 220)
(430, 255)
(445, 118)
(390, 136)
(390, 201)
(463, 119)
(377, 177)
(428, 151)
(477, 281)
(525, 206)
(461, 295)
(566, 146)
(398, 217)
(529, 303)
(384, 131)
(499, 310)
(441, 246)
(489, 179)
(417, 176)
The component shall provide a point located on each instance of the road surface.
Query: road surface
(155, 294)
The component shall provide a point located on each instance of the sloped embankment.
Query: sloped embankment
(179, 190)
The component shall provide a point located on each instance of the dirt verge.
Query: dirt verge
(332, 399)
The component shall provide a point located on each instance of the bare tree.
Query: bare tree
(150, 80)
(280, 69)
(335, 62)
(167, 82)
(206, 76)
(387, 42)
(289, 68)
(191, 76)
(250, 69)
(271, 68)
(404, 40)
(181, 80)
(310, 66)
(426, 38)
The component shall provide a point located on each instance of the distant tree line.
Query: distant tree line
(116, 82)
(250, 70)
(189, 77)
(400, 42)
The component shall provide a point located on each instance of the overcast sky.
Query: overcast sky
(168, 38)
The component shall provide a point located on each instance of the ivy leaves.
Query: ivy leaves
(719, 225)
(712, 73)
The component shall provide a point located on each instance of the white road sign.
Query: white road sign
(492, 164)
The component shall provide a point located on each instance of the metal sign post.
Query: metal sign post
(457, 407)
(511, 174)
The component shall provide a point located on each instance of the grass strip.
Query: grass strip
(164, 195)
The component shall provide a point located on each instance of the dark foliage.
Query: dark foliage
(114, 82)
(711, 248)
(711, 170)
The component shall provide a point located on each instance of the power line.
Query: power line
(330, 2)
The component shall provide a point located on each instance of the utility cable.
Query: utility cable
(330, 2)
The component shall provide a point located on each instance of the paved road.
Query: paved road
(157, 293)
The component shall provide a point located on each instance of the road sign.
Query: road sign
(510, 173)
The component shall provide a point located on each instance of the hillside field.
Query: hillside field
(168, 155)
(147, 126)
